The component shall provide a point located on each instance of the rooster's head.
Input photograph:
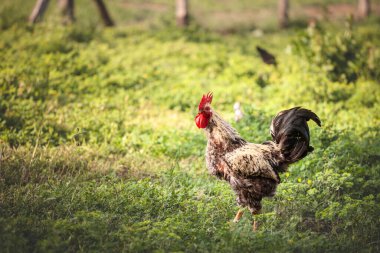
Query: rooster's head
(204, 113)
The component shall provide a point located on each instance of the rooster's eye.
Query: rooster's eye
(207, 108)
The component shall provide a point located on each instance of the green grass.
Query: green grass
(99, 150)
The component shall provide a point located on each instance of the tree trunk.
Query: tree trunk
(364, 8)
(104, 13)
(283, 17)
(182, 13)
(38, 11)
(67, 10)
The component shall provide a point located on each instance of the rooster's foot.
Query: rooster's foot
(238, 216)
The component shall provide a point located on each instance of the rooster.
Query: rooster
(251, 169)
(267, 57)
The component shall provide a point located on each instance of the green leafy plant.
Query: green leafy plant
(342, 55)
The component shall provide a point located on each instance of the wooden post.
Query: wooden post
(283, 17)
(67, 10)
(182, 13)
(104, 13)
(364, 8)
(38, 11)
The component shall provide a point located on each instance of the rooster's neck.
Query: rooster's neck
(222, 134)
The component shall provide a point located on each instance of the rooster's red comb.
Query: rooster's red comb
(205, 99)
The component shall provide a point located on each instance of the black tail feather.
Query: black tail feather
(290, 131)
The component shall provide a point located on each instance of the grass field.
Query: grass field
(99, 151)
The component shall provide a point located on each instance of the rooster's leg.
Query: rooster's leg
(238, 215)
(255, 223)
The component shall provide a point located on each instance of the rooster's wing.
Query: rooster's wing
(252, 160)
